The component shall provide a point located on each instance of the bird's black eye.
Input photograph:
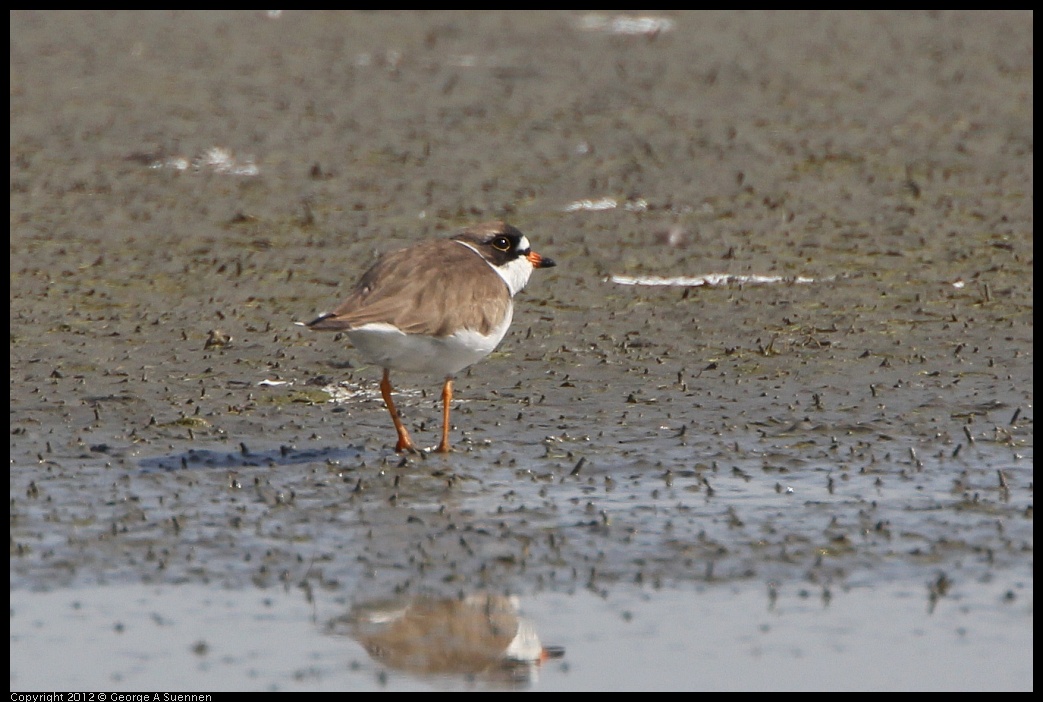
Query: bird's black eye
(502, 243)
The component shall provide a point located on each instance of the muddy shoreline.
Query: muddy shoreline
(186, 187)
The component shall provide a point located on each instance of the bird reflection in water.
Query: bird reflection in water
(480, 636)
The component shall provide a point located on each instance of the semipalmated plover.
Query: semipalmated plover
(435, 308)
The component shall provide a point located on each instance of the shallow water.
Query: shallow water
(824, 422)
(190, 637)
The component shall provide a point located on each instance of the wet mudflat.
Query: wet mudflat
(853, 426)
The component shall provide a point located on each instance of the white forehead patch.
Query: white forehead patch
(523, 244)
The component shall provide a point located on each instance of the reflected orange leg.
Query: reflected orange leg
(447, 398)
(404, 442)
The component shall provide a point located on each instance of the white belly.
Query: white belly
(387, 347)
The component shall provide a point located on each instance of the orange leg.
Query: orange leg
(447, 398)
(404, 442)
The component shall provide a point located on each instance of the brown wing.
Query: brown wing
(434, 287)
